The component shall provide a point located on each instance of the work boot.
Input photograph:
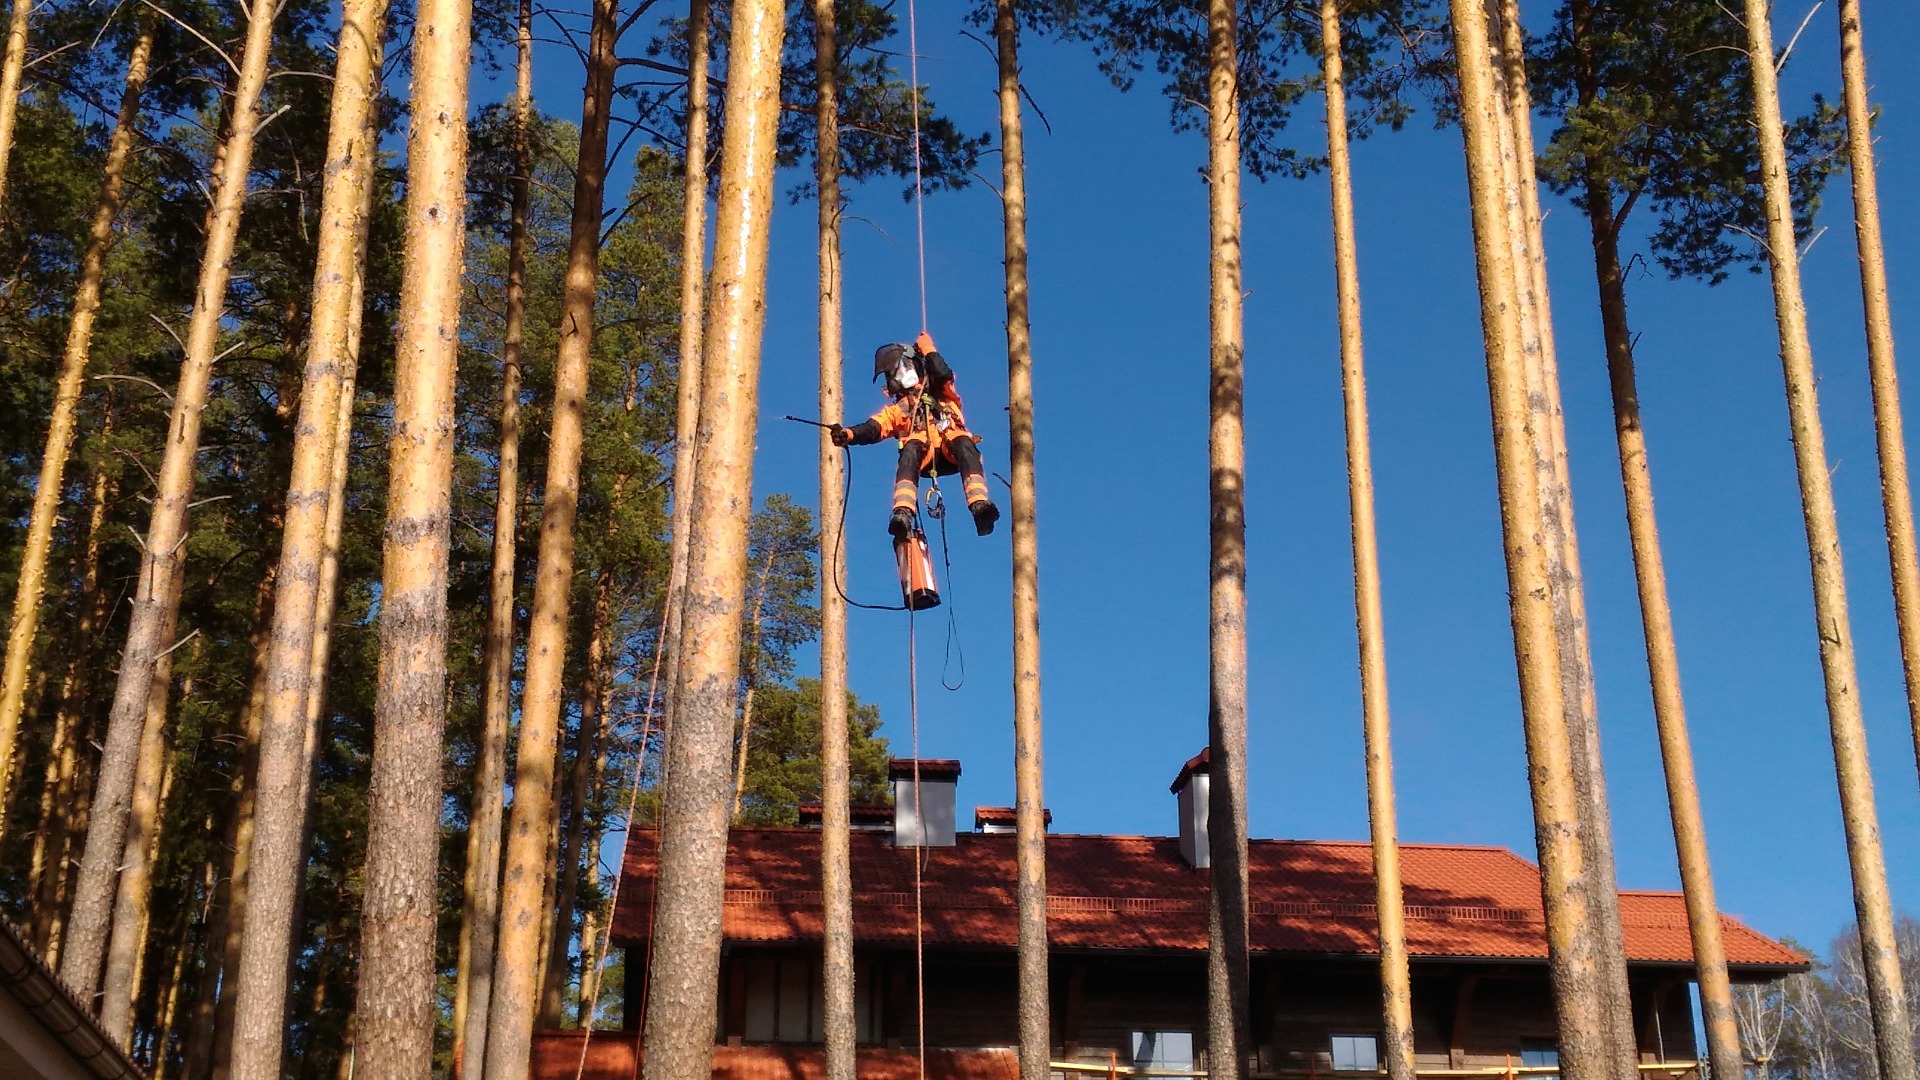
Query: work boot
(901, 523)
(984, 515)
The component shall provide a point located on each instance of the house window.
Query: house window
(1356, 1053)
(1539, 1053)
(783, 1000)
(1171, 1050)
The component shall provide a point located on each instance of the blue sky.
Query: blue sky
(1118, 239)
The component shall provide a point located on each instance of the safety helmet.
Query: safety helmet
(900, 364)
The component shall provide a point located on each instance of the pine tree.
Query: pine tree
(683, 974)
(164, 542)
(394, 1012)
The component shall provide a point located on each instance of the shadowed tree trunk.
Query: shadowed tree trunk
(836, 822)
(276, 867)
(586, 750)
(1396, 991)
(683, 975)
(751, 677)
(1227, 563)
(693, 262)
(164, 546)
(1036, 1040)
(246, 800)
(1578, 987)
(480, 910)
(31, 585)
(517, 971)
(1547, 428)
(60, 812)
(121, 983)
(1880, 960)
(394, 1012)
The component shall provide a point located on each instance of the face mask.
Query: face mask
(905, 377)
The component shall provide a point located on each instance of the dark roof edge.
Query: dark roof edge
(28, 980)
(930, 768)
(1201, 762)
(1737, 968)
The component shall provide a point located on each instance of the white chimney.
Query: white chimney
(1190, 787)
(927, 820)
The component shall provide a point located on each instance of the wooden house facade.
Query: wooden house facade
(1127, 939)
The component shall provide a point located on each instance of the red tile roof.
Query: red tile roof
(1132, 892)
(613, 1055)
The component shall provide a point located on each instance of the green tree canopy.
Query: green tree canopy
(783, 765)
(1655, 109)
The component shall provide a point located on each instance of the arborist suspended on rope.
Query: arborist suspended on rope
(925, 416)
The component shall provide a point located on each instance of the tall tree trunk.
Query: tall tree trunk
(210, 1030)
(1656, 613)
(276, 867)
(586, 749)
(1547, 429)
(160, 1061)
(1663, 660)
(480, 906)
(155, 837)
(683, 974)
(1036, 1040)
(324, 607)
(1396, 988)
(1227, 955)
(245, 789)
(836, 820)
(516, 978)
(164, 547)
(1585, 1044)
(1880, 960)
(693, 283)
(59, 814)
(11, 69)
(1895, 494)
(73, 371)
(591, 955)
(751, 676)
(593, 944)
(121, 985)
(394, 1011)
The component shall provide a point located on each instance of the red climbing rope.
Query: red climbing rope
(919, 847)
(913, 659)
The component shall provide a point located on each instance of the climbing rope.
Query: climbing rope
(919, 852)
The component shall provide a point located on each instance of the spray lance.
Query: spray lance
(911, 556)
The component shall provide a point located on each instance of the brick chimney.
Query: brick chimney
(1190, 787)
(931, 824)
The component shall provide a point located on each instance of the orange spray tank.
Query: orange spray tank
(917, 586)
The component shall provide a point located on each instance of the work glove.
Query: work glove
(924, 343)
(840, 435)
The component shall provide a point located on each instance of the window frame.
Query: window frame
(1333, 1051)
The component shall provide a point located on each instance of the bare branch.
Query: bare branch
(1794, 40)
(165, 14)
(146, 382)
